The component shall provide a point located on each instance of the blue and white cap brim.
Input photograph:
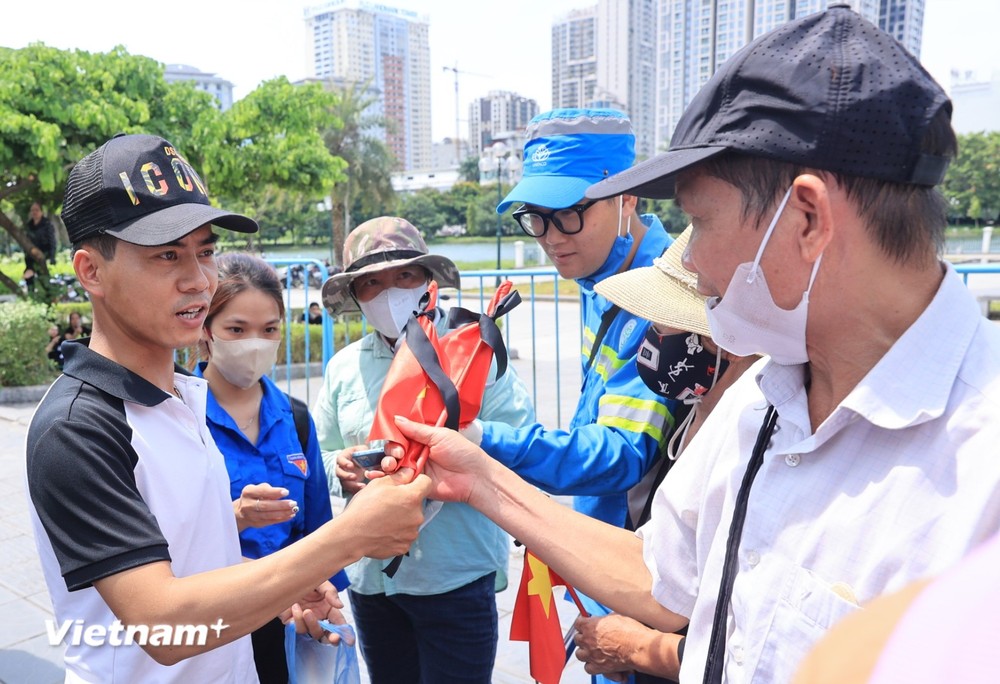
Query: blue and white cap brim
(549, 192)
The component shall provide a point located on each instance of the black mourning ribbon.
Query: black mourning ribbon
(428, 359)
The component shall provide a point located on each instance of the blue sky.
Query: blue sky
(504, 45)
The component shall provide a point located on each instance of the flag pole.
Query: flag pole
(576, 599)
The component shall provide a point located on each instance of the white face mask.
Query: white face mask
(243, 362)
(746, 320)
(389, 310)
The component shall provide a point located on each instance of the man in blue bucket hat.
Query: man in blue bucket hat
(615, 435)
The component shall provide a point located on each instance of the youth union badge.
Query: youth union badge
(299, 461)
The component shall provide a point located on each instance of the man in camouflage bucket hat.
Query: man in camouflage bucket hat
(435, 620)
(377, 245)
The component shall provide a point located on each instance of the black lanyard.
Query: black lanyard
(717, 644)
(602, 330)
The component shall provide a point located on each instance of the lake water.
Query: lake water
(456, 251)
(467, 252)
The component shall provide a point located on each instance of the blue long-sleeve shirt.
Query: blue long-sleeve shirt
(277, 459)
(617, 428)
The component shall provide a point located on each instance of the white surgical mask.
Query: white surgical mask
(389, 310)
(746, 320)
(243, 362)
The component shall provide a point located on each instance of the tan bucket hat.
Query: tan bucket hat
(665, 293)
(376, 245)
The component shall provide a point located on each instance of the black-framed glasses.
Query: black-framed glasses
(568, 221)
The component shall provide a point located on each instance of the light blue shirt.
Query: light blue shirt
(459, 544)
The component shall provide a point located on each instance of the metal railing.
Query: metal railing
(543, 334)
(542, 329)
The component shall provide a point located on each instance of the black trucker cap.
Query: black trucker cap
(140, 189)
(828, 91)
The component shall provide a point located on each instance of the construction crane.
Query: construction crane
(455, 70)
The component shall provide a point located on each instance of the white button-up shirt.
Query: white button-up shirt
(899, 482)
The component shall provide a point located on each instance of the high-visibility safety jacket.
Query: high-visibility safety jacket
(619, 424)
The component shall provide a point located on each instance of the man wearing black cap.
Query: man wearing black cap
(862, 453)
(130, 496)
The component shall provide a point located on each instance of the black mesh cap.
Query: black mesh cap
(140, 189)
(829, 91)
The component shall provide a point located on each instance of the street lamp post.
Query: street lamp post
(498, 160)
(499, 200)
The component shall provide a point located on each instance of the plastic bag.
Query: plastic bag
(312, 662)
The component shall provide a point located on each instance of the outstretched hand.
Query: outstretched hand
(261, 505)
(455, 465)
(387, 513)
(322, 603)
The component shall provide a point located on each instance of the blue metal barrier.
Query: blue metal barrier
(546, 328)
(327, 324)
(522, 328)
(482, 284)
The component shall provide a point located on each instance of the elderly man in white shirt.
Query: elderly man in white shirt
(863, 453)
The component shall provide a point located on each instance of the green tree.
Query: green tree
(975, 209)
(58, 105)
(673, 219)
(352, 133)
(975, 174)
(268, 156)
(421, 208)
(468, 170)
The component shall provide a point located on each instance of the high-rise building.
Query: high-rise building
(626, 65)
(694, 38)
(574, 58)
(605, 55)
(904, 21)
(386, 48)
(214, 85)
(497, 115)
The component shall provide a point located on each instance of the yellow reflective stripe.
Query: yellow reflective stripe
(608, 362)
(635, 415)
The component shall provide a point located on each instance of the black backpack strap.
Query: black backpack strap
(300, 413)
(606, 319)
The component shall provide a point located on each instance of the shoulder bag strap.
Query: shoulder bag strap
(717, 644)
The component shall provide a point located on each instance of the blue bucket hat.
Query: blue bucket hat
(567, 151)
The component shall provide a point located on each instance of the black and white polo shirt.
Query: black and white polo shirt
(121, 474)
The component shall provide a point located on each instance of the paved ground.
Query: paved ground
(25, 655)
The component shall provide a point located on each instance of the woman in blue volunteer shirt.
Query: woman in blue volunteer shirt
(276, 474)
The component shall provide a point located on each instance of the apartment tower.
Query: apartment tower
(694, 37)
(386, 48)
(496, 116)
(605, 56)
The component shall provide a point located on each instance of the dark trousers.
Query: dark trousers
(269, 653)
(437, 639)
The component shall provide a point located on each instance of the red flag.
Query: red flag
(426, 366)
(536, 620)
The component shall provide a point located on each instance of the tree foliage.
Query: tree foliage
(354, 132)
(673, 219)
(271, 138)
(56, 106)
(972, 184)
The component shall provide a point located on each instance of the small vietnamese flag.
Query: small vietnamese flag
(536, 621)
